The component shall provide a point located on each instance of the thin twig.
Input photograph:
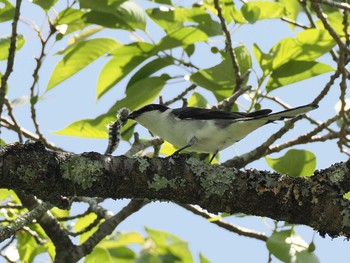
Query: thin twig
(33, 97)
(22, 220)
(327, 87)
(16, 126)
(227, 103)
(11, 57)
(139, 146)
(228, 226)
(295, 23)
(242, 160)
(316, 6)
(181, 95)
(344, 6)
(4, 122)
(108, 226)
(303, 138)
(229, 49)
(35, 235)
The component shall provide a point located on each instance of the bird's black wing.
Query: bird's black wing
(208, 114)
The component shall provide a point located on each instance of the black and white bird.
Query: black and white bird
(206, 130)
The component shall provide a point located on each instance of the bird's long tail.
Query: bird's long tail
(290, 113)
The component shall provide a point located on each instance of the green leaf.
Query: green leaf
(27, 247)
(293, 8)
(45, 4)
(150, 68)
(220, 79)
(170, 245)
(71, 17)
(7, 11)
(254, 11)
(125, 59)
(115, 14)
(141, 93)
(335, 20)
(5, 44)
(2, 143)
(182, 37)
(88, 128)
(309, 45)
(5, 193)
(203, 259)
(127, 239)
(56, 212)
(79, 57)
(294, 71)
(294, 163)
(287, 246)
(167, 149)
(197, 100)
(84, 222)
(78, 38)
(99, 254)
(347, 195)
(175, 18)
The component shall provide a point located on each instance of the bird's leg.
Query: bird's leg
(212, 158)
(190, 143)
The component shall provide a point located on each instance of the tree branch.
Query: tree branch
(316, 201)
(11, 57)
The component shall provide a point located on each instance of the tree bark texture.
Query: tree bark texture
(54, 177)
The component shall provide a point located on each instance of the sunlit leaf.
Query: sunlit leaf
(125, 59)
(141, 93)
(220, 79)
(28, 248)
(88, 128)
(45, 4)
(2, 143)
(203, 259)
(79, 57)
(71, 17)
(84, 222)
(150, 68)
(115, 14)
(78, 38)
(171, 19)
(294, 163)
(167, 149)
(181, 37)
(335, 20)
(99, 254)
(308, 45)
(292, 8)
(197, 100)
(254, 11)
(5, 44)
(289, 247)
(7, 11)
(294, 71)
(124, 239)
(170, 244)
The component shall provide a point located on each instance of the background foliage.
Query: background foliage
(119, 53)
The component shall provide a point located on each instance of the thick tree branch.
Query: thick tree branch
(316, 201)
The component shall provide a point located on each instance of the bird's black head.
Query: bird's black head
(147, 108)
